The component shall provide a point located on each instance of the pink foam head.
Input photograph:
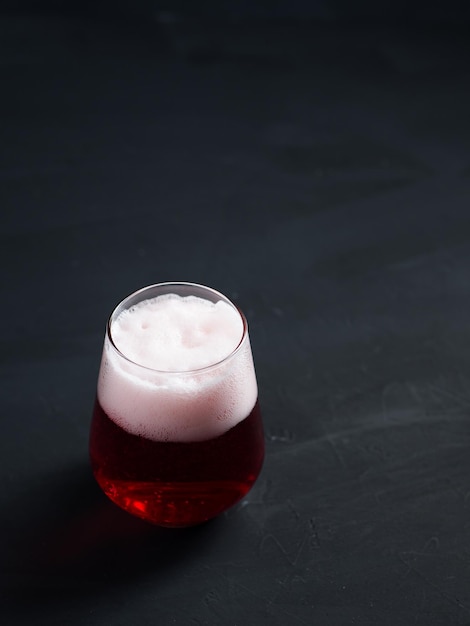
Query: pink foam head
(177, 364)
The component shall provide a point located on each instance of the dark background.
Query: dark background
(311, 161)
(319, 9)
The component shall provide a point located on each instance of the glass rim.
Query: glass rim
(121, 306)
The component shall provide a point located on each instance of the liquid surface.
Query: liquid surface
(175, 334)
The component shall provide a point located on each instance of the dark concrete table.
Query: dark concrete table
(319, 176)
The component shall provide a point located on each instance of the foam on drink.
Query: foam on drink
(176, 382)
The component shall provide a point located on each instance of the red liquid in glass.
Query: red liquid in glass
(172, 483)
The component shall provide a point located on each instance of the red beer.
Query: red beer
(176, 484)
(176, 447)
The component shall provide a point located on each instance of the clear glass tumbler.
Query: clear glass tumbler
(176, 436)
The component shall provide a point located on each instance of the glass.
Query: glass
(176, 436)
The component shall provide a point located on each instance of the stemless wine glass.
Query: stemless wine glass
(176, 436)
